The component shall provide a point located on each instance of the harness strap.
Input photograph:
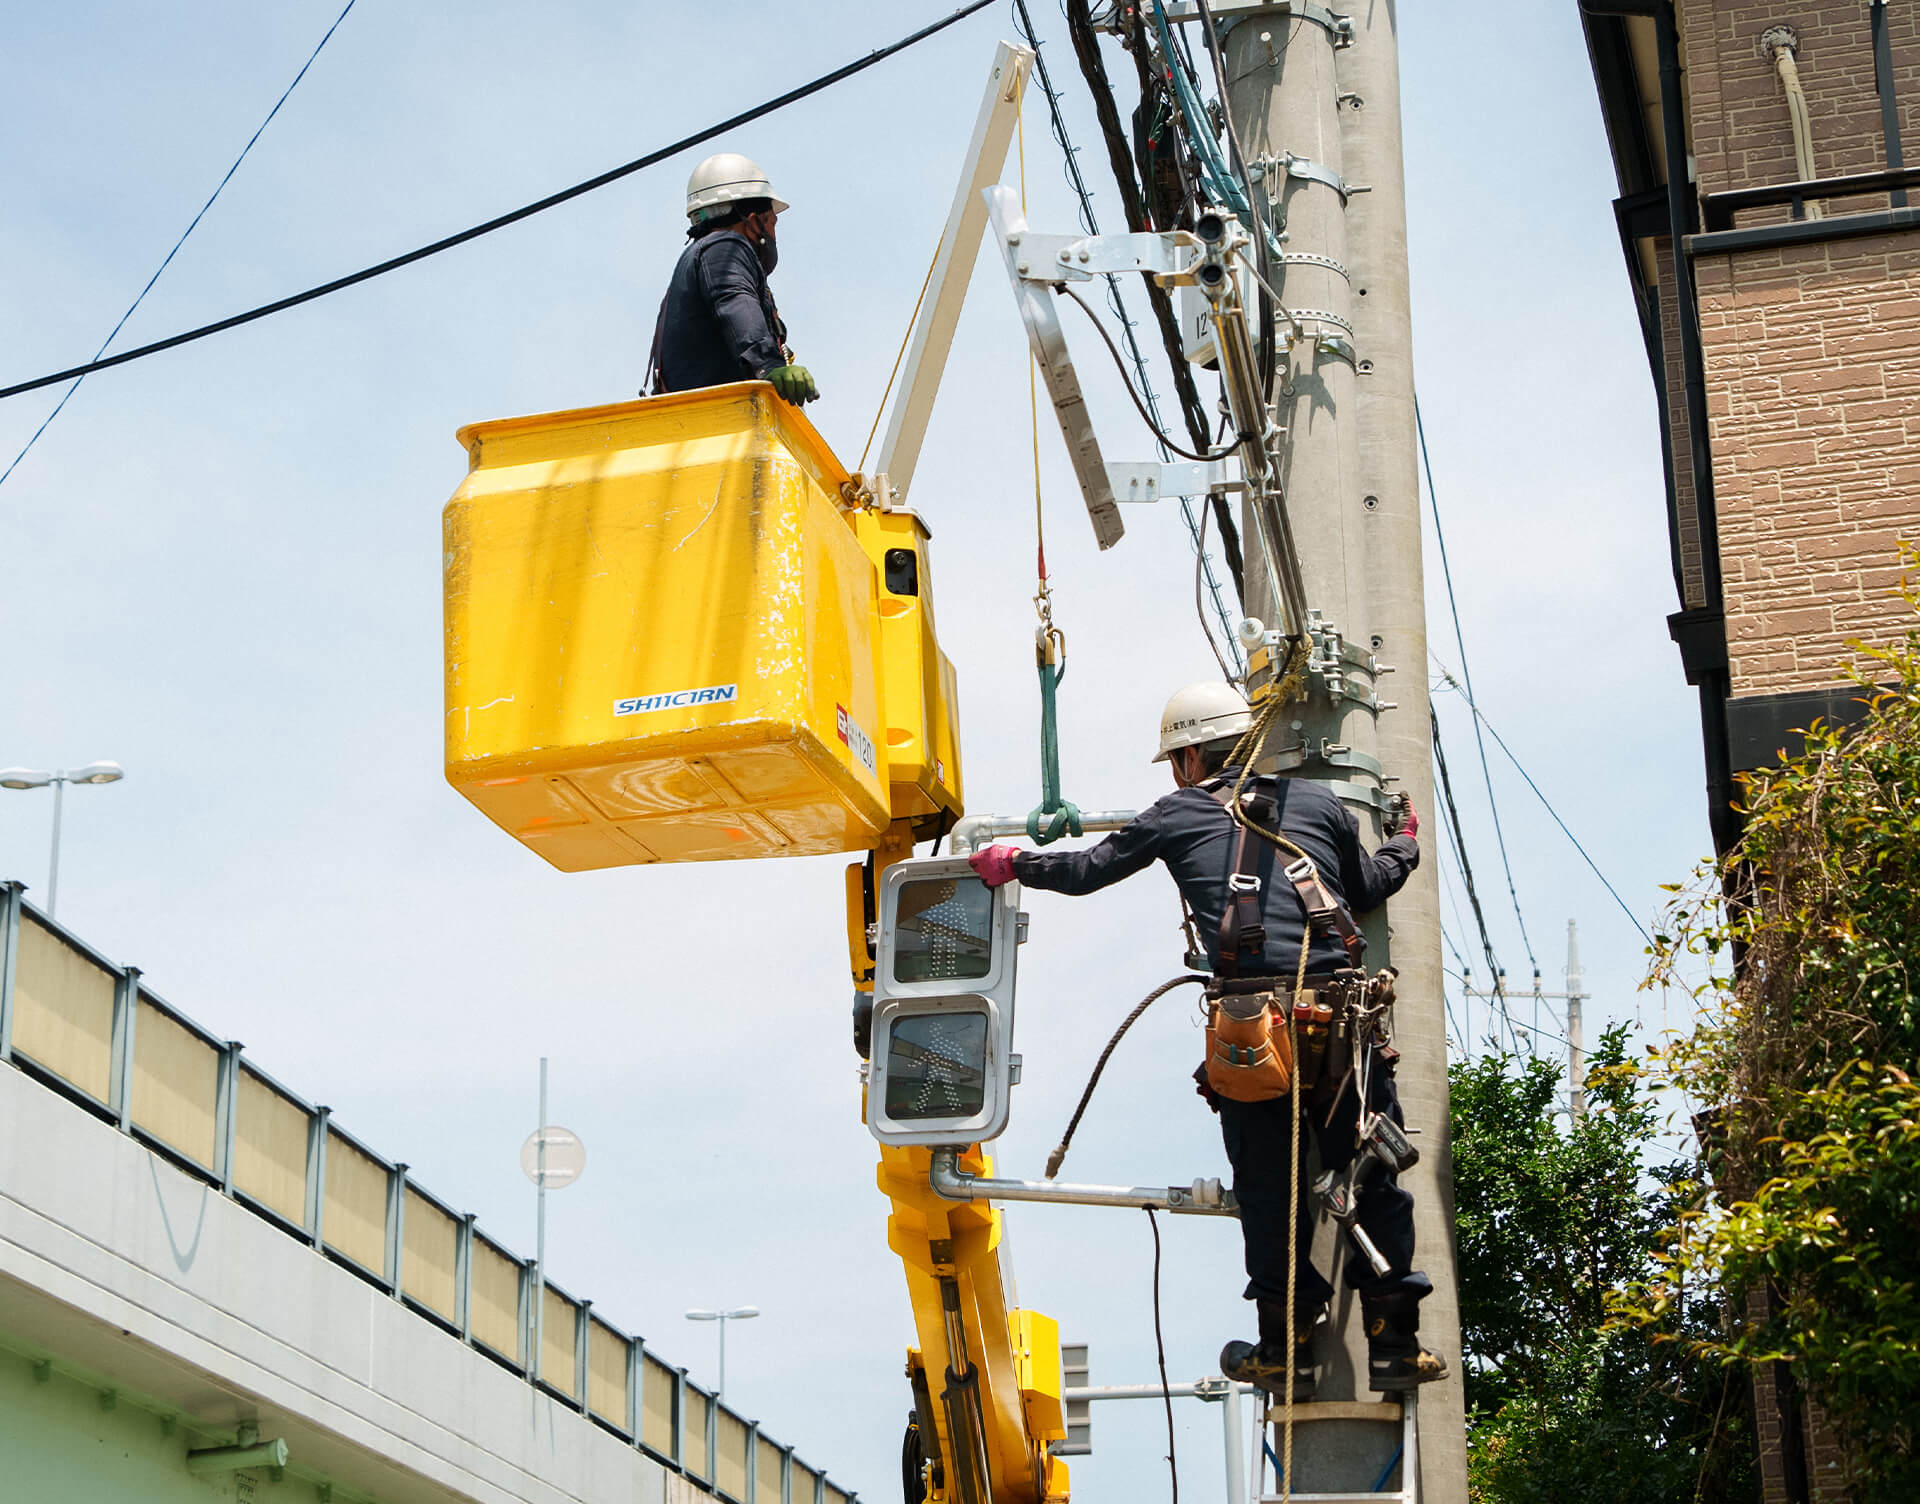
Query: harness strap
(1242, 916)
(1243, 930)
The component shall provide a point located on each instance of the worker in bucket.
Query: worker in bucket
(1275, 918)
(718, 322)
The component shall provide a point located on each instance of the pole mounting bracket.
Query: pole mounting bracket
(1149, 481)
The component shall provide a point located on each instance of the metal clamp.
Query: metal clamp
(1307, 170)
(1308, 258)
(1321, 315)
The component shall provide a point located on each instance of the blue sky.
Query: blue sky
(220, 567)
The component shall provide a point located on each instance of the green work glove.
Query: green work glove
(794, 383)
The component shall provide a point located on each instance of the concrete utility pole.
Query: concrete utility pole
(1316, 102)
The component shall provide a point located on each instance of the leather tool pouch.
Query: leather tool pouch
(1248, 1056)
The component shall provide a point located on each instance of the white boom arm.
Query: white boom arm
(959, 244)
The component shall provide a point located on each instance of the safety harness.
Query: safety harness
(1254, 1033)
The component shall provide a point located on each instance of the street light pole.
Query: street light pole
(738, 1313)
(33, 778)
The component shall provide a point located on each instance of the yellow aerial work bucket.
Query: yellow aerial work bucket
(662, 637)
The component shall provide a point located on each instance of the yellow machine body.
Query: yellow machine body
(662, 636)
(919, 695)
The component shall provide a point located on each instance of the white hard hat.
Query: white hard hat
(1211, 711)
(726, 179)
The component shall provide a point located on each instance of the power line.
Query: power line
(1446, 571)
(500, 222)
(1466, 694)
(1452, 817)
(168, 260)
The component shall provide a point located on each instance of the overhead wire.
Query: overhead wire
(1159, 434)
(512, 217)
(1451, 822)
(1480, 719)
(1453, 608)
(167, 260)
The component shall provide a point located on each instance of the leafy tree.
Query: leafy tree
(1799, 1067)
(1554, 1217)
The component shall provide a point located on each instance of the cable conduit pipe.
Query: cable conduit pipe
(1781, 43)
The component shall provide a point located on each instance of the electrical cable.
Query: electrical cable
(1139, 406)
(1263, 234)
(1199, 609)
(1087, 50)
(526, 211)
(1452, 822)
(1160, 1349)
(1446, 572)
(167, 260)
(1059, 1154)
(1466, 696)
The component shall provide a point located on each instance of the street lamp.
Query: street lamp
(32, 778)
(738, 1313)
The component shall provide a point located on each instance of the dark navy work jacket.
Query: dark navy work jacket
(1193, 834)
(717, 322)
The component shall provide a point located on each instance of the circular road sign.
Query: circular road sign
(566, 1157)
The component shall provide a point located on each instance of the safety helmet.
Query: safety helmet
(1211, 711)
(728, 178)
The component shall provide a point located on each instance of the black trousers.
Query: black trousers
(1258, 1136)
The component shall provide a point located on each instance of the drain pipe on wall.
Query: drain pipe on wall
(1781, 44)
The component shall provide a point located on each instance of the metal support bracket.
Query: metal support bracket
(1170, 257)
(1306, 169)
(1204, 1198)
(1148, 481)
(1230, 12)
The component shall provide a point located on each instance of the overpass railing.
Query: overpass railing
(95, 1031)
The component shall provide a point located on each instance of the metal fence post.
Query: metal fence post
(636, 1376)
(753, 1461)
(529, 1359)
(582, 1346)
(713, 1442)
(680, 1418)
(317, 1173)
(463, 1277)
(786, 1475)
(10, 892)
(126, 1006)
(226, 1114)
(396, 1225)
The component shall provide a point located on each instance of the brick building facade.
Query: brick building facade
(1776, 278)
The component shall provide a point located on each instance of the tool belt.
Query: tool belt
(1250, 1057)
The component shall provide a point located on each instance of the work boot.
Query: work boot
(1396, 1361)
(1265, 1363)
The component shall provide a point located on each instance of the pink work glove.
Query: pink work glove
(995, 865)
(1411, 827)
